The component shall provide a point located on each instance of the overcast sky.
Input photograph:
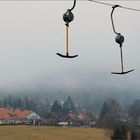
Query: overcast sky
(31, 33)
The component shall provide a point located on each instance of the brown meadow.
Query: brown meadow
(51, 133)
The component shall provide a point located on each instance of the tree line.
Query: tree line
(25, 103)
(41, 106)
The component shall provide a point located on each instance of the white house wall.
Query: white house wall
(33, 115)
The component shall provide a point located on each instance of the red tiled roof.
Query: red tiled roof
(75, 117)
(84, 117)
(20, 114)
(8, 113)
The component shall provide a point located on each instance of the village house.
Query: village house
(32, 117)
(17, 116)
(78, 120)
(7, 116)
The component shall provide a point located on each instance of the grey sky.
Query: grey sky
(31, 33)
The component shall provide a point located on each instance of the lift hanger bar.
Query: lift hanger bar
(68, 17)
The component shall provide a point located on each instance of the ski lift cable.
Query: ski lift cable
(109, 4)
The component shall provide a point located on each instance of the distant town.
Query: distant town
(17, 110)
(67, 112)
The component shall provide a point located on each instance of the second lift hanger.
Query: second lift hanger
(119, 39)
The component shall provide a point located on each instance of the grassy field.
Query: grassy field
(50, 133)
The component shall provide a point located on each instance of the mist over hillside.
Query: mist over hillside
(90, 98)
